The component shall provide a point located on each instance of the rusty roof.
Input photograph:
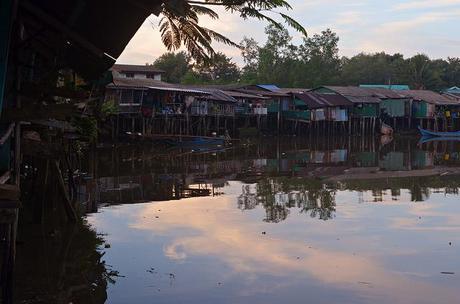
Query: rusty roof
(316, 100)
(216, 95)
(236, 94)
(380, 93)
(262, 93)
(430, 97)
(137, 83)
(292, 90)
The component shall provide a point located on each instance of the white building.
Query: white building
(136, 71)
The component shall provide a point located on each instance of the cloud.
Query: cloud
(215, 228)
(406, 27)
(396, 27)
(424, 4)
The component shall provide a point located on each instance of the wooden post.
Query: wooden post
(68, 206)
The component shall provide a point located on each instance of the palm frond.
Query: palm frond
(294, 24)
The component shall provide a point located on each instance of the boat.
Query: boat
(428, 133)
(428, 139)
(386, 129)
(196, 141)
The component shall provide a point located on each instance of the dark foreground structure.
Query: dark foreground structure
(43, 46)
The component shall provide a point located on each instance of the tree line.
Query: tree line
(312, 63)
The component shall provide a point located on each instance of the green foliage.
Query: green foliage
(175, 66)
(313, 63)
(217, 70)
(316, 62)
(108, 108)
(179, 24)
(86, 126)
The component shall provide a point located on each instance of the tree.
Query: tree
(179, 24)
(175, 66)
(219, 69)
(278, 59)
(320, 55)
(451, 75)
(250, 53)
(378, 68)
(421, 72)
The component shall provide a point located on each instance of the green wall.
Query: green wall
(366, 110)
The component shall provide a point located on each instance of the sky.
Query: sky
(408, 27)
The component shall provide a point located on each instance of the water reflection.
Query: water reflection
(278, 196)
(357, 221)
(136, 175)
(62, 265)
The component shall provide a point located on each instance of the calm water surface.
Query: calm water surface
(279, 222)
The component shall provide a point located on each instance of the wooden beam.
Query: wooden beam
(7, 134)
(5, 177)
(69, 209)
(63, 28)
(9, 192)
(6, 22)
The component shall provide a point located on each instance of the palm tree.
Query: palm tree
(179, 24)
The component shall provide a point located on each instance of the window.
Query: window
(129, 75)
(151, 75)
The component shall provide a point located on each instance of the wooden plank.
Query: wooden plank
(5, 177)
(38, 112)
(9, 204)
(7, 134)
(9, 192)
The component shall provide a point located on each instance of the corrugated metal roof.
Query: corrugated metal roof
(243, 95)
(430, 97)
(154, 85)
(269, 87)
(217, 95)
(365, 95)
(455, 96)
(292, 90)
(177, 89)
(262, 93)
(137, 83)
(366, 92)
(316, 100)
(395, 87)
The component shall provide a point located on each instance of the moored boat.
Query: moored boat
(196, 141)
(428, 133)
(428, 139)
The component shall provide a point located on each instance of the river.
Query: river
(341, 220)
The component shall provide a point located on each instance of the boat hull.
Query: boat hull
(197, 142)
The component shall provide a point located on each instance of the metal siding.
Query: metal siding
(394, 107)
(366, 110)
